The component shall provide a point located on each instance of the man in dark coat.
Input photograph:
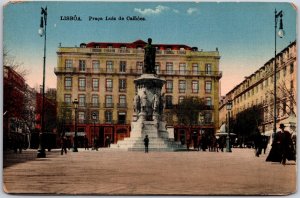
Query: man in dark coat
(287, 146)
(258, 144)
(281, 147)
(146, 143)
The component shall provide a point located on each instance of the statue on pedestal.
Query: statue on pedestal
(155, 104)
(161, 103)
(137, 104)
(149, 58)
(144, 100)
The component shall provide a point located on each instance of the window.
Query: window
(109, 66)
(81, 100)
(291, 67)
(96, 65)
(108, 101)
(169, 103)
(208, 101)
(208, 117)
(81, 65)
(182, 86)
(95, 84)
(139, 65)
(208, 69)
(284, 71)
(81, 117)
(95, 100)
(208, 86)
(122, 66)
(169, 67)
(292, 85)
(122, 101)
(108, 116)
(182, 68)
(169, 86)
(81, 84)
(195, 86)
(68, 83)
(157, 67)
(195, 68)
(109, 85)
(68, 99)
(122, 85)
(180, 99)
(68, 64)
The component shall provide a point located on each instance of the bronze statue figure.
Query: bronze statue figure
(149, 58)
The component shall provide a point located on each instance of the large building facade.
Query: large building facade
(101, 75)
(258, 88)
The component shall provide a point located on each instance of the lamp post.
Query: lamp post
(228, 108)
(280, 34)
(75, 142)
(94, 115)
(42, 32)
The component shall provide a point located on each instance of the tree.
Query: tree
(285, 97)
(9, 60)
(189, 110)
(247, 122)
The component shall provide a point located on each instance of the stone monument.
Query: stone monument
(148, 106)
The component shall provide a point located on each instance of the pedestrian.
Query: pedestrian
(282, 147)
(96, 143)
(86, 143)
(146, 143)
(63, 143)
(107, 141)
(258, 144)
(265, 141)
(288, 152)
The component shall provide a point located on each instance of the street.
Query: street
(114, 172)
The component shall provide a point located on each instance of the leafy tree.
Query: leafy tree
(246, 122)
(188, 110)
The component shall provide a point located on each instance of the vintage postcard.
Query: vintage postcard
(149, 98)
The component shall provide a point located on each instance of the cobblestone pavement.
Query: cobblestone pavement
(114, 172)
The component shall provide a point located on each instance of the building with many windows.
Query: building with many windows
(258, 88)
(101, 75)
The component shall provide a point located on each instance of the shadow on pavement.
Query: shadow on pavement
(10, 158)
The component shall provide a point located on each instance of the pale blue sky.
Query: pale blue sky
(243, 32)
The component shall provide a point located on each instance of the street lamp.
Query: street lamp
(75, 142)
(228, 108)
(280, 34)
(42, 32)
(94, 115)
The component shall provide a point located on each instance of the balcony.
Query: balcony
(108, 105)
(63, 70)
(122, 105)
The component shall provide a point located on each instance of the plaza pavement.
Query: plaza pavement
(115, 172)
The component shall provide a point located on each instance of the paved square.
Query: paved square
(113, 172)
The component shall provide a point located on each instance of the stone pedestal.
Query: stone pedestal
(148, 117)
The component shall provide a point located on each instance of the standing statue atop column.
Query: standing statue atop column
(149, 58)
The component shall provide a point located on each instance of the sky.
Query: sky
(242, 32)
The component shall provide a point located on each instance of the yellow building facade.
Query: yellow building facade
(258, 88)
(100, 76)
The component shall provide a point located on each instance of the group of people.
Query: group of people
(65, 143)
(206, 142)
(283, 147)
